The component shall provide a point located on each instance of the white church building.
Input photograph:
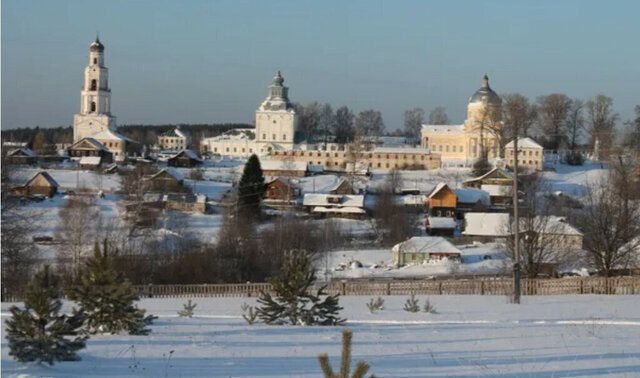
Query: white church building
(276, 123)
(95, 119)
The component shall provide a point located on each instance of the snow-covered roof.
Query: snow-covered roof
(283, 165)
(489, 173)
(441, 222)
(412, 199)
(473, 195)
(47, 177)
(346, 200)
(426, 244)
(552, 225)
(400, 150)
(190, 153)
(345, 210)
(497, 190)
(90, 160)
(174, 133)
(172, 172)
(486, 224)
(340, 181)
(26, 151)
(444, 129)
(232, 135)
(525, 143)
(437, 189)
(108, 134)
(91, 141)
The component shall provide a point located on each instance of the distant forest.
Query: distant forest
(145, 134)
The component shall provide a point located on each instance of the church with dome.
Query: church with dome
(460, 145)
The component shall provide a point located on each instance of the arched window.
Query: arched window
(93, 106)
(94, 84)
(95, 60)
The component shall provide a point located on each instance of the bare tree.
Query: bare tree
(326, 121)
(369, 124)
(391, 221)
(553, 110)
(413, 119)
(344, 125)
(632, 134)
(438, 116)
(308, 118)
(611, 220)
(19, 253)
(602, 122)
(542, 236)
(518, 115)
(575, 127)
(76, 230)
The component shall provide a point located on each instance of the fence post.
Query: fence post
(389, 288)
(440, 287)
(481, 287)
(344, 287)
(581, 285)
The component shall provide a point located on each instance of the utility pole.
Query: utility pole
(516, 262)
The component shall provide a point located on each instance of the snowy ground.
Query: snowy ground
(470, 336)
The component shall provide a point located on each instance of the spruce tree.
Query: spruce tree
(345, 361)
(107, 298)
(38, 332)
(294, 302)
(251, 188)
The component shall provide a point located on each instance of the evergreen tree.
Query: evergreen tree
(345, 362)
(107, 298)
(294, 303)
(251, 188)
(37, 332)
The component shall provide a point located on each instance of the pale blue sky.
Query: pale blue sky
(211, 61)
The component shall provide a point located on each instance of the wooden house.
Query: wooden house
(442, 201)
(343, 186)
(338, 205)
(281, 190)
(86, 147)
(167, 181)
(471, 200)
(40, 184)
(287, 168)
(497, 182)
(21, 156)
(184, 158)
(440, 226)
(424, 248)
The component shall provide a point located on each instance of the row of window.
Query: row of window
(361, 155)
(379, 165)
(531, 162)
(454, 148)
(264, 137)
(524, 153)
(235, 150)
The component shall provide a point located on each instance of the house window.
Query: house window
(461, 150)
(250, 150)
(235, 149)
(264, 136)
(215, 149)
(227, 149)
(447, 148)
(440, 148)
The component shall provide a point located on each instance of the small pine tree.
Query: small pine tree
(294, 303)
(429, 308)
(107, 298)
(411, 305)
(37, 332)
(187, 310)
(251, 188)
(375, 304)
(345, 363)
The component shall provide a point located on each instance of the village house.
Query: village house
(442, 201)
(288, 168)
(530, 154)
(555, 233)
(339, 205)
(41, 184)
(184, 158)
(343, 186)
(21, 156)
(174, 140)
(419, 249)
(281, 191)
(497, 182)
(186, 202)
(440, 226)
(471, 200)
(487, 227)
(167, 180)
(90, 147)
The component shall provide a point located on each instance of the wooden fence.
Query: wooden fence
(563, 286)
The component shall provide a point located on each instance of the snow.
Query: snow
(442, 222)
(71, 178)
(426, 244)
(469, 336)
(486, 224)
(498, 190)
(574, 180)
(448, 129)
(525, 143)
(90, 160)
(346, 200)
(345, 210)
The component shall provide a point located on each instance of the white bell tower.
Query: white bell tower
(95, 97)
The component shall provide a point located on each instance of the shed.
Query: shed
(21, 156)
(281, 190)
(167, 180)
(424, 248)
(39, 184)
(184, 158)
(440, 226)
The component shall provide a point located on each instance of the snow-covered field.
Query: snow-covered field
(470, 336)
